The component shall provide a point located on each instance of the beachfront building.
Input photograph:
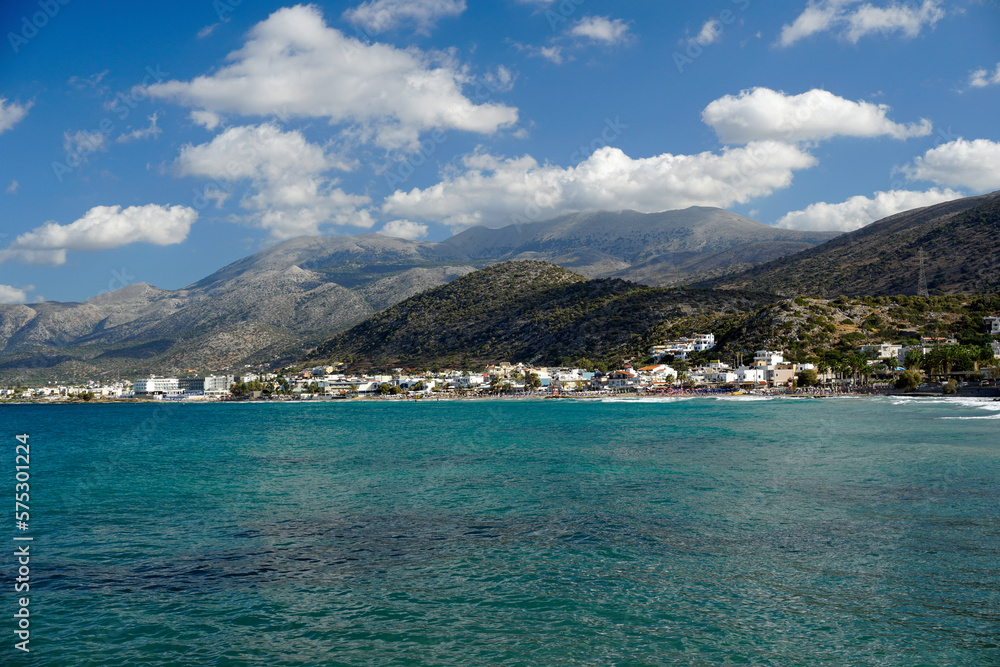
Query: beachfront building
(623, 380)
(781, 374)
(658, 373)
(720, 376)
(751, 375)
(156, 387)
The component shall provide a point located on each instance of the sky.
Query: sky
(158, 142)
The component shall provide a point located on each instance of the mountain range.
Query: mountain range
(954, 245)
(533, 312)
(286, 299)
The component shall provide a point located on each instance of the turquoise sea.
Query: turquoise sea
(841, 531)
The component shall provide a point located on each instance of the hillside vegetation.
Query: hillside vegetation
(532, 312)
(960, 242)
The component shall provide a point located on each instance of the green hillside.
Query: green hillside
(959, 241)
(533, 312)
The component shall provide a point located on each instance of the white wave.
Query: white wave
(745, 398)
(993, 416)
(648, 399)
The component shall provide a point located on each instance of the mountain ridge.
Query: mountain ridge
(959, 241)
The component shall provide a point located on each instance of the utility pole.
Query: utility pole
(922, 280)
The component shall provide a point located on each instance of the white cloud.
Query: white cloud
(852, 24)
(11, 113)
(816, 17)
(493, 191)
(974, 165)
(152, 131)
(294, 65)
(859, 211)
(290, 196)
(404, 229)
(710, 33)
(208, 30)
(763, 113)
(601, 29)
(377, 16)
(83, 143)
(102, 227)
(13, 187)
(552, 54)
(10, 294)
(206, 119)
(982, 78)
(907, 19)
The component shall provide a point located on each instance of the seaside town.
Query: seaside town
(670, 372)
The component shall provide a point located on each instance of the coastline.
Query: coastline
(984, 393)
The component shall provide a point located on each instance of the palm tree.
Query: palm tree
(913, 360)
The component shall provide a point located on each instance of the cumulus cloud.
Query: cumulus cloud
(376, 16)
(101, 228)
(859, 211)
(710, 33)
(404, 229)
(11, 113)
(294, 65)
(974, 165)
(600, 29)
(982, 78)
(10, 294)
(762, 113)
(206, 119)
(495, 191)
(13, 187)
(290, 196)
(851, 23)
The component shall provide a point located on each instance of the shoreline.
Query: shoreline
(984, 393)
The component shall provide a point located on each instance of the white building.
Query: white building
(156, 386)
(884, 351)
(682, 347)
(993, 324)
(751, 375)
(768, 358)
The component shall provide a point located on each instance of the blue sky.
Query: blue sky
(158, 142)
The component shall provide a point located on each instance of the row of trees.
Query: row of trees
(945, 359)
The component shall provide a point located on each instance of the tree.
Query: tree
(808, 378)
(913, 360)
(419, 386)
(533, 381)
(908, 380)
(950, 387)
